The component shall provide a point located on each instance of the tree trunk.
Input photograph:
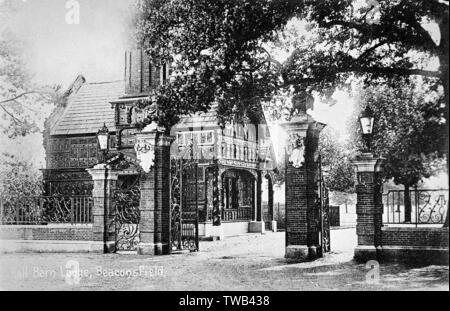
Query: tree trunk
(444, 68)
(446, 141)
(407, 203)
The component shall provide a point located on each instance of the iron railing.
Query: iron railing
(428, 206)
(241, 213)
(35, 210)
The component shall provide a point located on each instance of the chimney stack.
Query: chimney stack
(141, 75)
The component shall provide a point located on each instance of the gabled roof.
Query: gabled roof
(89, 108)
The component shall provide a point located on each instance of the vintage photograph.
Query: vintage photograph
(224, 145)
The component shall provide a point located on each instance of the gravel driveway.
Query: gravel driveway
(250, 262)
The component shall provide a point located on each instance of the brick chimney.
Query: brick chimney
(75, 86)
(141, 75)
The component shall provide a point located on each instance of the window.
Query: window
(209, 137)
(200, 138)
(203, 138)
(188, 138)
(180, 139)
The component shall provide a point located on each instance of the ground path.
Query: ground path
(250, 262)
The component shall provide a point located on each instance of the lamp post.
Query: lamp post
(369, 204)
(103, 144)
(366, 121)
(103, 141)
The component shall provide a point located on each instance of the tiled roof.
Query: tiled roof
(89, 108)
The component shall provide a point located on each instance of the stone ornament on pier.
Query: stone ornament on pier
(296, 150)
(144, 147)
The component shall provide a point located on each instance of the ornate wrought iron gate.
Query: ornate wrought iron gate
(184, 202)
(324, 213)
(127, 214)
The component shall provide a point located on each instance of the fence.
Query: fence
(230, 214)
(428, 206)
(35, 210)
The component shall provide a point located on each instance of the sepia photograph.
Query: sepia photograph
(224, 151)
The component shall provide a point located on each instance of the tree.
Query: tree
(408, 132)
(339, 173)
(218, 50)
(216, 53)
(21, 100)
(23, 107)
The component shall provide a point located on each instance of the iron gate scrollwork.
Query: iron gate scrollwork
(428, 206)
(184, 201)
(324, 213)
(127, 214)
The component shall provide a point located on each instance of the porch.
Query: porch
(240, 196)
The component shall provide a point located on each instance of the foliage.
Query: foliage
(279, 176)
(339, 173)
(216, 53)
(408, 130)
(375, 39)
(340, 198)
(21, 101)
(219, 53)
(19, 178)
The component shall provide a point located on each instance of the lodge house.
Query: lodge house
(240, 154)
(111, 185)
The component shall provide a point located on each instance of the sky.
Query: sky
(58, 50)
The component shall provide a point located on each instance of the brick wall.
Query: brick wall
(155, 203)
(162, 195)
(296, 206)
(48, 232)
(414, 245)
(405, 244)
(428, 237)
(302, 208)
(369, 209)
